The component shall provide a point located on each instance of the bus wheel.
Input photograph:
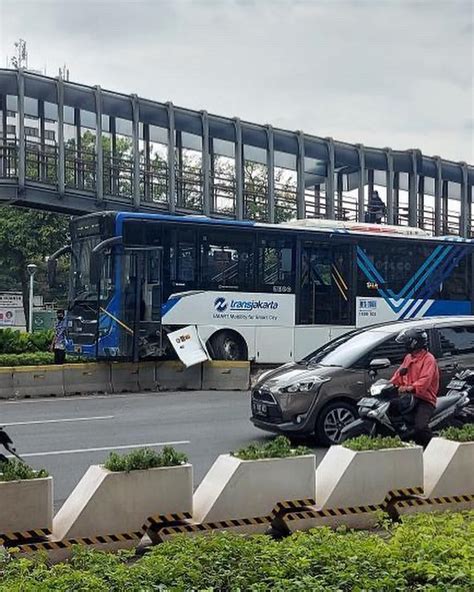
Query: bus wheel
(228, 345)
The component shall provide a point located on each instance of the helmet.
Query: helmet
(413, 339)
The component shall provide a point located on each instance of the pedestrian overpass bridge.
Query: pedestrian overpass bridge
(71, 148)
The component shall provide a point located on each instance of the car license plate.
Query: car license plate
(260, 409)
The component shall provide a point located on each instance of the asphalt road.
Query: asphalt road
(67, 435)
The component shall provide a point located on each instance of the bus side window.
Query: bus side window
(276, 271)
(182, 260)
(227, 262)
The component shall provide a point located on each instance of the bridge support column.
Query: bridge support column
(413, 190)
(99, 163)
(300, 205)
(396, 197)
(445, 201)
(205, 164)
(361, 186)
(421, 201)
(270, 175)
(171, 160)
(389, 184)
(21, 130)
(437, 197)
(465, 218)
(330, 179)
(60, 100)
(239, 171)
(136, 151)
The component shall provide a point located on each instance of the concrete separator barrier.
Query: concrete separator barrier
(105, 502)
(121, 377)
(38, 381)
(147, 376)
(124, 377)
(26, 508)
(6, 383)
(235, 488)
(82, 379)
(346, 478)
(225, 376)
(173, 375)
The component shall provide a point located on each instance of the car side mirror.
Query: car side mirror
(95, 267)
(52, 267)
(379, 364)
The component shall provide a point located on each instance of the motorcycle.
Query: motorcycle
(7, 443)
(380, 416)
(463, 382)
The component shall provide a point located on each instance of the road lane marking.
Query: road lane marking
(102, 449)
(66, 420)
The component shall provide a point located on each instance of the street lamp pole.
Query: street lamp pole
(31, 270)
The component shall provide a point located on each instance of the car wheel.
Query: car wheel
(227, 345)
(332, 419)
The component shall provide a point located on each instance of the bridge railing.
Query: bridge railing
(80, 170)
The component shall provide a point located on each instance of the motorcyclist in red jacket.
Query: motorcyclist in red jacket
(418, 375)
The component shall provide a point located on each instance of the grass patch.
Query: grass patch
(15, 470)
(464, 434)
(144, 458)
(279, 447)
(363, 443)
(425, 552)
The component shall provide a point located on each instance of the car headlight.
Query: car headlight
(303, 387)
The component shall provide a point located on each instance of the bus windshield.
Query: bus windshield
(81, 287)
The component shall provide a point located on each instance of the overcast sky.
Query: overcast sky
(393, 73)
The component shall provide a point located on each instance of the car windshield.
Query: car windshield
(347, 349)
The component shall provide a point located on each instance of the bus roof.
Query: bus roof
(307, 224)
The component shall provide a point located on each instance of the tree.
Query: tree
(28, 236)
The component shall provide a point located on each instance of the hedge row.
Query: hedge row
(36, 359)
(17, 342)
(429, 552)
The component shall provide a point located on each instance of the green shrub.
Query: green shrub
(464, 434)
(17, 342)
(362, 443)
(36, 359)
(15, 470)
(27, 359)
(279, 447)
(425, 552)
(144, 458)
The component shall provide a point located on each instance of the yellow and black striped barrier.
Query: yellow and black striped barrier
(434, 501)
(14, 538)
(171, 524)
(50, 545)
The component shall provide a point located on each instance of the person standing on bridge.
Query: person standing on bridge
(58, 344)
(376, 210)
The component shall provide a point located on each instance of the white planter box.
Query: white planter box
(26, 505)
(235, 488)
(104, 502)
(346, 478)
(449, 469)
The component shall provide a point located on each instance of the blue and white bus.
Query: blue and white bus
(265, 292)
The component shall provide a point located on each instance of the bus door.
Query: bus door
(140, 322)
(147, 334)
(325, 289)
